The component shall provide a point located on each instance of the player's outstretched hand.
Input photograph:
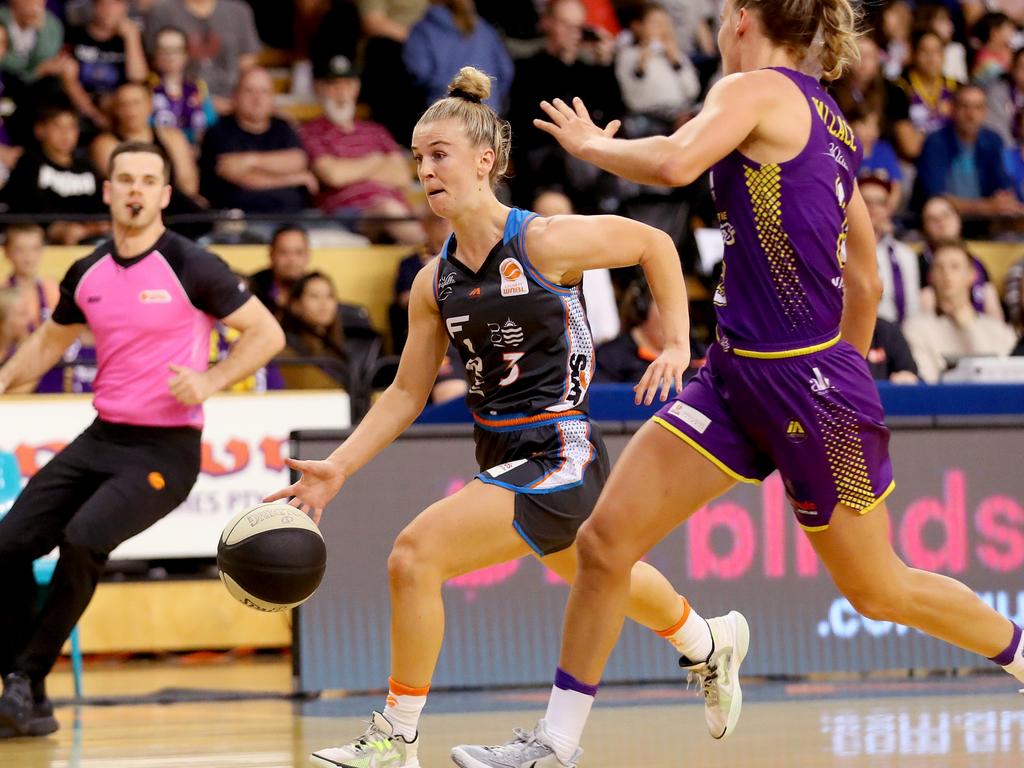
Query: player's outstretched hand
(667, 370)
(572, 126)
(313, 491)
(189, 386)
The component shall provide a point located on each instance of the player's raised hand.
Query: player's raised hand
(189, 386)
(666, 370)
(572, 126)
(319, 482)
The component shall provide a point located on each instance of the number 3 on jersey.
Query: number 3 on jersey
(512, 358)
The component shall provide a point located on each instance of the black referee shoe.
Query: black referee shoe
(20, 715)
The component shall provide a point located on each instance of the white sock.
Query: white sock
(565, 720)
(691, 635)
(1016, 667)
(404, 705)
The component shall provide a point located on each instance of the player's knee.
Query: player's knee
(880, 602)
(407, 562)
(82, 558)
(599, 548)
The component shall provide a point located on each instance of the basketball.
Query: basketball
(271, 557)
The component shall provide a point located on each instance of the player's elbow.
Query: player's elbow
(676, 171)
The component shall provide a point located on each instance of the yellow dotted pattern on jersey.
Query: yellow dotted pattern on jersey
(764, 185)
(845, 453)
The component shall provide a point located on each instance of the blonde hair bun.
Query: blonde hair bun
(470, 84)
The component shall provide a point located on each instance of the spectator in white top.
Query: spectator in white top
(958, 329)
(898, 265)
(656, 78)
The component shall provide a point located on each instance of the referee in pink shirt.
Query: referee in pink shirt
(150, 298)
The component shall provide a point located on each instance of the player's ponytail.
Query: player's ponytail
(821, 32)
(465, 103)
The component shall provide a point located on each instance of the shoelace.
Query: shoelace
(372, 737)
(509, 748)
(707, 680)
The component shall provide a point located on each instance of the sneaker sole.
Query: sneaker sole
(739, 652)
(315, 759)
(461, 759)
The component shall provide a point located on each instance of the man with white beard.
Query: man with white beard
(357, 162)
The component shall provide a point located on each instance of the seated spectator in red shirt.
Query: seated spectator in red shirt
(251, 159)
(357, 162)
(50, 179)
(24, 250)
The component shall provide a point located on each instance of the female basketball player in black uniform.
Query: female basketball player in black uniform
(507, 292)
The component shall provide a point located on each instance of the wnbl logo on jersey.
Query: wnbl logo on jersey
(513, 279)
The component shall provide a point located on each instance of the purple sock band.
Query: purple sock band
(1006, 657)
(567, 682)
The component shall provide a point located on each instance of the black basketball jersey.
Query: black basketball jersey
(525, 341)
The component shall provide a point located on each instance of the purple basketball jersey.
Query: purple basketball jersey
(784, 227)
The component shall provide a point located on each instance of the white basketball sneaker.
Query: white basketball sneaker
(526, 750)
(379, 747)
(719, 675)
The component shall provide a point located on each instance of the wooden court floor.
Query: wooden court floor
(976, 723)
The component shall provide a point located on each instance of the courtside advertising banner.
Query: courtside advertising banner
(958, 508)
(245, 442)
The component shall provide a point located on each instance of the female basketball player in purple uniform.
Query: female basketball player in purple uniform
(506, 291)
(796, 308)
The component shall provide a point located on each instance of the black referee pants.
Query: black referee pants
(112, 482)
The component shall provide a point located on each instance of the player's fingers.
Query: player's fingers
(652, 385)
(612, 128)
(298, 465)
(666, 385)
(554, 113)
(581, 109)
(679, 380)
(284, 493)
(563, 108)
(316, 513)
(641, 387)
(546, 126)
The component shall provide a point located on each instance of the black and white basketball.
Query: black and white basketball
(271, 557)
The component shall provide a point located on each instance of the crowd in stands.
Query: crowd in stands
(286, 111)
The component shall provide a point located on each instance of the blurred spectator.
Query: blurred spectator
(929, 92)
(995, 33)
(449, 36)
(941, 223)
(35, 37)
(690, 21)
(1006, 103)
(48, 179)
(14, 112)
(358, 164)
(436, 231)
(880, 160)
(518, 21)
(893, 35)
(251, 159)
(327, 28)
(657, 80)
(23, 248)
(889, 356)
(132, 108)
(386, 24)
(937, 18)
(897, 264)
(179, 101)
(14, 329)
(626, 357)
(598, 291)
(964, 161)
(289, 261)
(865, 85)
(107, 52)
(313, 329)
(451, 379)
(957, 330)
(222, 40)
(1013, 296)
(576, 61)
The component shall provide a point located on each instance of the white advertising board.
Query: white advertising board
(245, 441)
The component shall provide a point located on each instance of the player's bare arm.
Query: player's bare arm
(38, 354)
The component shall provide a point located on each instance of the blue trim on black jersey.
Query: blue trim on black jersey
(512, 222)
(483, 477)
(444, 248)
(538, 278)
(527, 539)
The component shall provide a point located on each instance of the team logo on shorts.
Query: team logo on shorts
(795, 431)
(513, 278)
